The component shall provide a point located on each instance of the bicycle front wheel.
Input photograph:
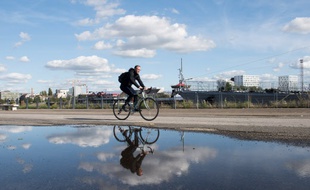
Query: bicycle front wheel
(149, 135)
(120, 113)
(148, 109)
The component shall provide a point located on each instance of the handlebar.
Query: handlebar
(148, 90)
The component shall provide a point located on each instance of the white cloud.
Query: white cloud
(24, 37)
(101, 45)
(297, 64)
(136, 53)
(229, 74)
(81, 64)
(298, 25)
(9, 58)
(175, 11)
(139, 36)
(24, 59)
(278, 67)
(16, 77)
(103, 10)
(150, 76)
(2, 68)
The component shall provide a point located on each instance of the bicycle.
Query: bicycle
(147, 106)
(144, 136)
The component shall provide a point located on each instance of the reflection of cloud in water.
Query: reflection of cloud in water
(302, 168)
(2, 137)
(16, 129)
(104, 156)
(26, 167)
(26, 145)
(166, 165)
(84, 137)
(11, 147)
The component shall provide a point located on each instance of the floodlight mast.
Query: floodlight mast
(302, 74)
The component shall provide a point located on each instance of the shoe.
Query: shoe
(124, 108)
(125, 133)
(136, 110)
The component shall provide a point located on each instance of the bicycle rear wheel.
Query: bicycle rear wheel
(149, 135)
(119, 130)
(148, 109)
(118, 112)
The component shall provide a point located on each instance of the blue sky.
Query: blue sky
(52, 43)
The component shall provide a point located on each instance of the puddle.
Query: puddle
(90, 157)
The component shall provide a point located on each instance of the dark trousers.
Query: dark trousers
(131, 94)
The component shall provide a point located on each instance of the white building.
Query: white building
(288, 83)
(62, 93)
(77, 90)
(247, 80)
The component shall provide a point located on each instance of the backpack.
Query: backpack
(123, 77)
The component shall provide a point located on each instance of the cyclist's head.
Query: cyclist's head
(137, 69)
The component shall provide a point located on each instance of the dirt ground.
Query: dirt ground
(289, 125)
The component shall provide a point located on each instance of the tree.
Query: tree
(50, 92)
(228, 86)
(43, 93)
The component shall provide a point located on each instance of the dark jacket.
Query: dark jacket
(132, 78)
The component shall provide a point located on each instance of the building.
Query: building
(7, 95)
(77, 90)
(62, 93)
(288, 83)
(247, 80)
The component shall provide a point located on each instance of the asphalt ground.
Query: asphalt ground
(290, 125)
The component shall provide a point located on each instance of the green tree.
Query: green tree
(50, 92)
(228, 86)
(43, 93)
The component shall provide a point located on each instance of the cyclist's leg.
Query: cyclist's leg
(129, 91)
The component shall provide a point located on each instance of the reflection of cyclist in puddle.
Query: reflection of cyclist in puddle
(128, 160)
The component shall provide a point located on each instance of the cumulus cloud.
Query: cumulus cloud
(24, 59)
(298, 25)
(297, 64)
(142, 35)
(82, 64)
(146, 53)
(101, 45)
(24, 38)
(103, 10)
(16, 77)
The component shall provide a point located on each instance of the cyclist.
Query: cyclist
(129, 80)
(129, 160)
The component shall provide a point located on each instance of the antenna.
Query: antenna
(302, 74)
